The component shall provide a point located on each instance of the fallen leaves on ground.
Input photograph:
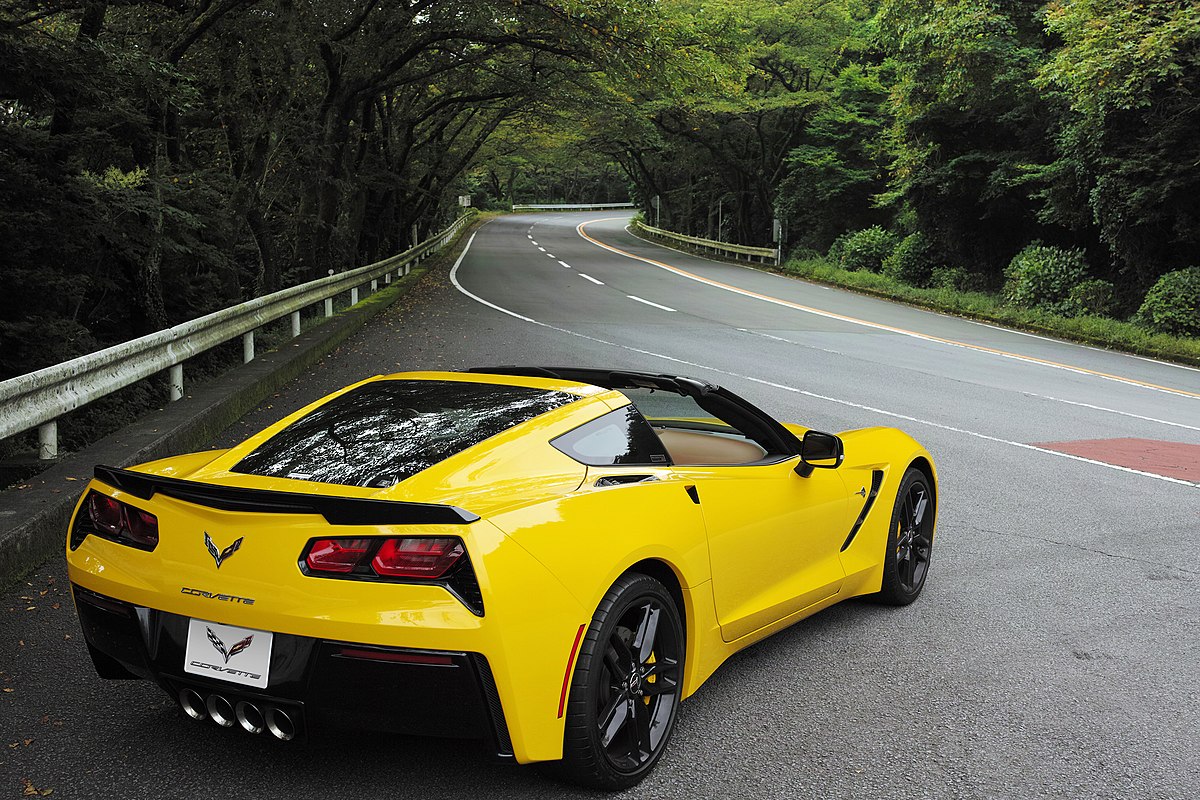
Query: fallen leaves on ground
(32, 791)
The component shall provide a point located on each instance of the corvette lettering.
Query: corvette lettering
(229, 598)
(227, 670)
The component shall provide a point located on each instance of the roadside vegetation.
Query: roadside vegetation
(941, 293)
(1034, 163)
(161, 161)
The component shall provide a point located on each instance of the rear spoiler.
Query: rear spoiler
(335, 510)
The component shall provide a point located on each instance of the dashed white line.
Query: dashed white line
(541, 248)
(789, 341)
(565, 264)
(649, 303)
(550, 255)
(1113, 411)
(589, 278)
(794, 390)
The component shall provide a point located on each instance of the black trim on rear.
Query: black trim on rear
(876, 482)
(321, 688)
(335, 510)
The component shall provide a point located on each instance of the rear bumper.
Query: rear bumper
(322, 684)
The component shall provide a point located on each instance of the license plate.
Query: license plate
(237, 655)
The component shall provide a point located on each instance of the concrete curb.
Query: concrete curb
(33, 521)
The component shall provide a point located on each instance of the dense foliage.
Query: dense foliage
(1173, 304)
(1042, 277)
(159, 160)
(866, 250)
(976, 126)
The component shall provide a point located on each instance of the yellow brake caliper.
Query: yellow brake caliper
(652, 678)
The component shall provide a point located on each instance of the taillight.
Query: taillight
(416, 558)
(336, 555)
(111, 519)
(437, 559)
(106, 513)
(410, 557)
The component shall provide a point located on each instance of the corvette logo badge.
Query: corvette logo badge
(229, 653)
(221, 556)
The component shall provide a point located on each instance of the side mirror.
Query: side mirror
(819, 451)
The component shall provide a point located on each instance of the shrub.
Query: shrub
(1092, 297)
(1173, 304)
(911, 261)
(863, 250)
(947, 277)
(1042, 277)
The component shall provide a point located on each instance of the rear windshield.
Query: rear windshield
(383, 432)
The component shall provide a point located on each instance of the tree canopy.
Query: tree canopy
(163, 158)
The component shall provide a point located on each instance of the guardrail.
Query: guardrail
(38, 399)
(724, 248)
(570, 207)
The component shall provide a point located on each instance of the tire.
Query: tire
(625, 691)
(910, 540)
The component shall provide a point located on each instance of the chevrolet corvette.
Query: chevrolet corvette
(546, 559)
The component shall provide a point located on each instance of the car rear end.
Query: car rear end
(286, 613)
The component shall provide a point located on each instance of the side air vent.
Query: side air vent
(876, 482)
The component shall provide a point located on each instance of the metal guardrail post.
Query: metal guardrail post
(387, 278)
(329, 306)
(48, 440)
(374, 284)
(175, 383)
(247, 347)
(354, 296)
(295, 324)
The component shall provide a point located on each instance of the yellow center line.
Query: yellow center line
(876, 325)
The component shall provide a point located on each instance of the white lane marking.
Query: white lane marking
(789, 341)
(647, 302)
(1113, 411)
(550, 255)
(565, 264)
(876, 325)
(590, 278)
(794, 390)
(541, 248)
(529, 236)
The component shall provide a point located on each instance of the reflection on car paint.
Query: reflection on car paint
(383, 432)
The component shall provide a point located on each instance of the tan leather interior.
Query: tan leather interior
(707, 449)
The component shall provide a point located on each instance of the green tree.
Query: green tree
(1128, 154)
(967, 122)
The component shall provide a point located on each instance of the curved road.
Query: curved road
(1054, 653)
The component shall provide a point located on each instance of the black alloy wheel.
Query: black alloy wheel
(626, 687)
(910, 540)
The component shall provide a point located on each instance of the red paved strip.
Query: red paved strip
(1173, 459)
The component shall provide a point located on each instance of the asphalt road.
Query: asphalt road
(1055, 651)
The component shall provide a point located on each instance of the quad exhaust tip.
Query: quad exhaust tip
(193, 705)
(280, 724)
(220, 710)
(249, 717)
(245, 714)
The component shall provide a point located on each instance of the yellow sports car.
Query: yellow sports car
(547, 559)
